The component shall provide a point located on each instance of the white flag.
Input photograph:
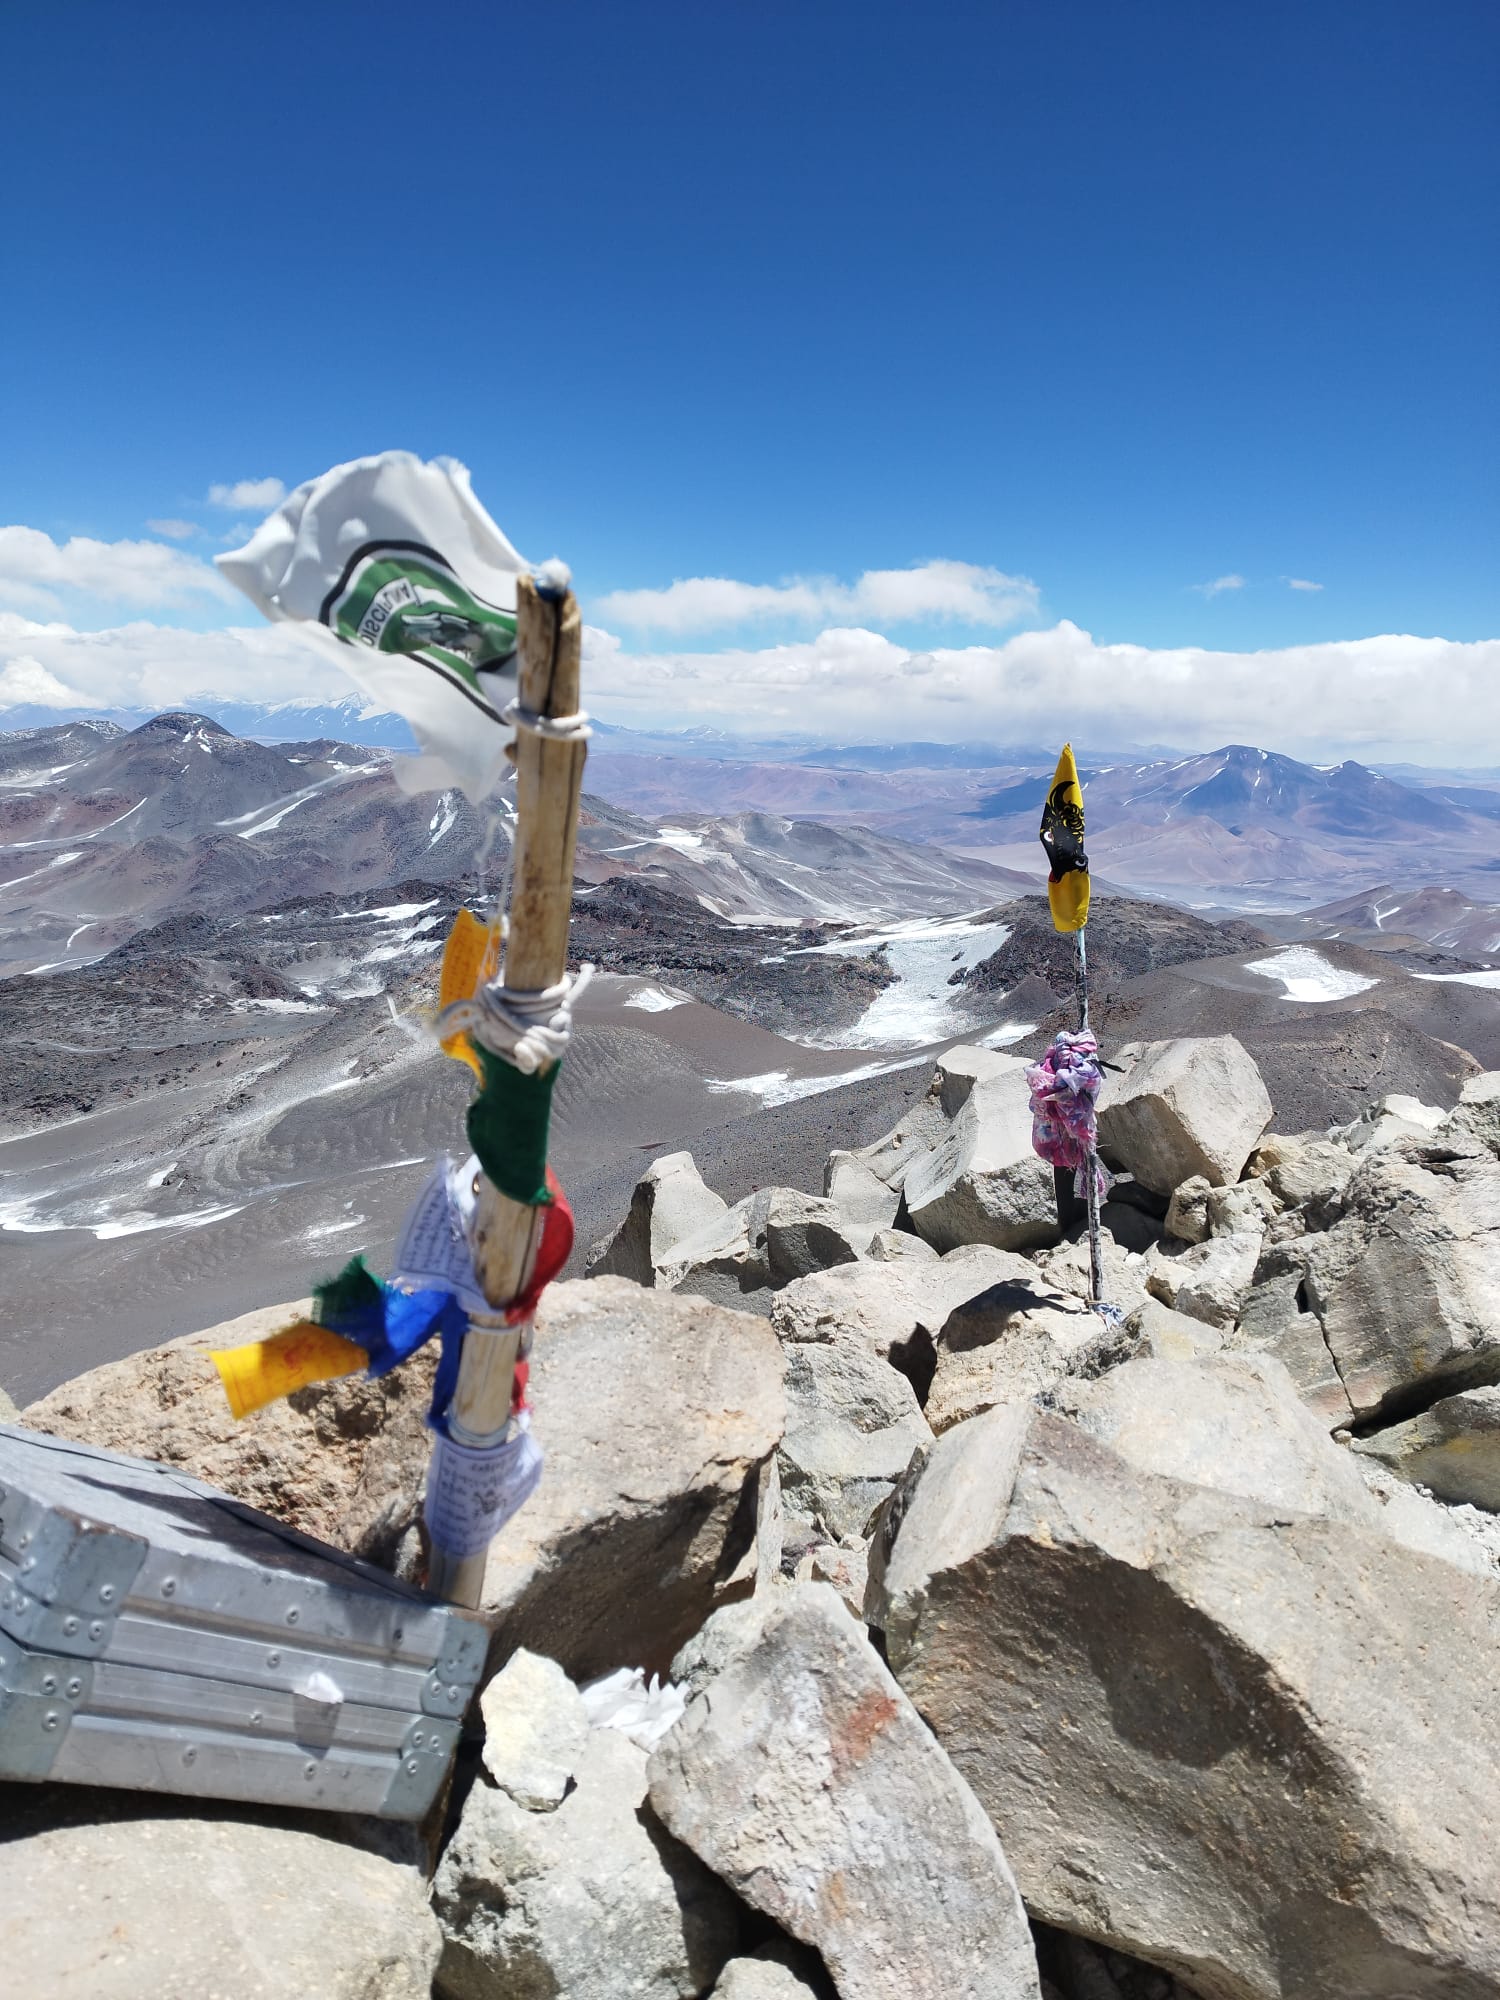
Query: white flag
(396, 558)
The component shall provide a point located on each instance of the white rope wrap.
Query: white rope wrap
(558, 728)
(527, 1030)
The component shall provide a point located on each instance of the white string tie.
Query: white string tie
(557, 728)
(530, 1031)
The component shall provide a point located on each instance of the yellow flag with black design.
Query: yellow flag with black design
(1062, 843)
(470, 957)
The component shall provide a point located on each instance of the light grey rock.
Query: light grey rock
(1165, 1335)
(726, 1262)
(1212, 1730)
(847, 1569)
(866, 1204)
(909, 1139)
(762, 1978)
(671, 1203)
(9, 1414)
(1303, 1173)
(1412, 1517)
(151, 1908)
(1395, 1116)
(1194, 1106)
(1013, 1341)
(1476, 1116)
(1187, 1211)
(852, 1425)
(1245, 1209)
(1233, 1423)
(899, 1246)
(1067, 1265)
(888, 1305)
(808, 1782)
(1272, 1321)
(535, 1729)
(959, 1070)
(1207, 1281)
(657, 1414)
(762, 1243)
(805, 1234)
(1453, 1448)
(983, 1182)
(593, 1900)
(1405, 1286)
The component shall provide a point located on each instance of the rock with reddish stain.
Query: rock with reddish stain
(803, 1776)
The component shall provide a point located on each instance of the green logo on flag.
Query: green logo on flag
(402, 597)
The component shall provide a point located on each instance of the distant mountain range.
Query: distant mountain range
(1242, 826)
(106, 831)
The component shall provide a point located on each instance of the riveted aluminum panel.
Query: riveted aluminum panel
(155, 1633)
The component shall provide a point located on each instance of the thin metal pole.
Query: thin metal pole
(1091, 1170)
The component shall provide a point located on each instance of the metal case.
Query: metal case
(155, 1633)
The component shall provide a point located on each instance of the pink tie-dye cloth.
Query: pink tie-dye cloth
(1064, 1086)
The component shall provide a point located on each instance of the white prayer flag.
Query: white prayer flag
(396, 558)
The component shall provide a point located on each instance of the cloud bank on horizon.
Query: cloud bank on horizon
(844, 678)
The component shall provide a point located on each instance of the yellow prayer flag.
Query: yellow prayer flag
(1062, 841)
(264, 1370)
(470, 957)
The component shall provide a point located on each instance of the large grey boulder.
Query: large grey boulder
(671, 1202)
(889, 1305)
(983, 1182)
(852, 1425)
(913, 1135)
(1208, 1280)
(344, 1461)
(592, 1900)
(1165, 1335)
(1476, 1116)
(1405, 1287)
(1193, 1106)
(150, 1908)
(764, 1242)
(1459, 1534)
(959, 1070)
(1389, 1118)
(805, 1779)
(657, 1414)
(866, 1204)
(1017, 1339)
(1453, 1448)
(1218, 1717)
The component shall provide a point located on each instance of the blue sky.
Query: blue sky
(1119, 302)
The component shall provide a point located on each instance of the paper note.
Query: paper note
(472, 1494)
(434, 1249)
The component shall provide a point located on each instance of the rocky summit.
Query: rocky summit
(891, 1623)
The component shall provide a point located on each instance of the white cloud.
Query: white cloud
(262, 493)
(143, 665)
(144, 575)
(1369, 697)
(24, 679)
(1301, 583)
(965, 593)
(1364, 697)
(175, 531)
(1219, 585)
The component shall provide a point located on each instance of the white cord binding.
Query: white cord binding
(557, 728)
(527, 1030)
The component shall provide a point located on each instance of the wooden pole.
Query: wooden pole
(505, 1233)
